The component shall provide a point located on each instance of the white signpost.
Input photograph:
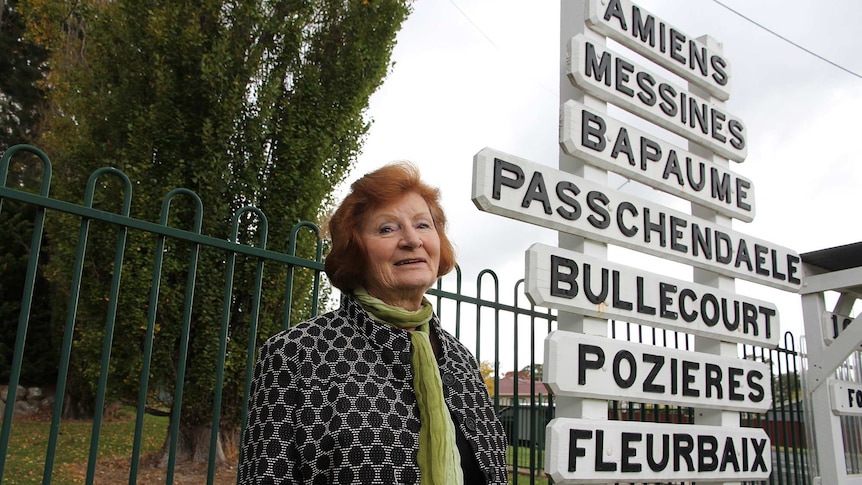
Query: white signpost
(571, 281)
(586, 450)
(583, 366)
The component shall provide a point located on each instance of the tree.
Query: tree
(22, 100)
(487, 371)
(243, 102)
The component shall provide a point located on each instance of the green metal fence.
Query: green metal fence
(501, 330)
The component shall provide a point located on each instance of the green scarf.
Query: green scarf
(439, 460)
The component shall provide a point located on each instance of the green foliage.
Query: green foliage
(245, 102)
(22, 95)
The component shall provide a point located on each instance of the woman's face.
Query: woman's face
(402, 249)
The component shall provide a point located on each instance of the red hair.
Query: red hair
(346, 265)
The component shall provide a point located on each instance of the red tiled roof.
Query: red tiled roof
(506, 387)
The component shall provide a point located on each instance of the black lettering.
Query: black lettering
(676, 234)
(644, 28)
(767, 313)
(742, 256)
(701, 241)
(676, 41)
(729, 456)
(601, 465)
(615, 10)
(687, 316)
(622, 208)
(698, 185)
(671, 167)
(625, 355)
(658, 227)
(593, 131)
(665, 301)
(661, 464)
(650, 152)
(713, 381)
(720, 185)
(623, 145)
(688, 368)
(760, 259)
(732, 326)
(642, 307)
(698, 113)
(757, 393)
(742, 187)
(593, 198)
(601, 296)
(570, 277)
(683, 445)
(792, 269)
(617, 301)
(759, 448)
(668, 97)
(500, 180)
(737, 137)
(646, 83)
(749, 319)
(709, 320)
(629, 452)
(623, 69)
(563, 189)
(719, 75)
(697, 58)
(597, 70)
(717, 122)
(576, 451)
(537, 191)
(775, 273)
(707, 453)
(733, 375)
(725, 256)
(583, 363)
(657, 362)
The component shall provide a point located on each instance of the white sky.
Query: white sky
(470, 74)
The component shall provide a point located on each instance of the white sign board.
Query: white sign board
(612, 145)
(664, 44)
(622, 82)
(591, 451)
(833, 325)
(513, 187)
(574, 282)
(591, 366)
(845, 397)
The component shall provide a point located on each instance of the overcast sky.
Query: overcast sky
(470, 74)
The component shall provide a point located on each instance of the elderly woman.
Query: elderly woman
(376, 391)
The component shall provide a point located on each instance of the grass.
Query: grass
(28, 445)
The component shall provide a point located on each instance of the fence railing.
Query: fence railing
(499, 330)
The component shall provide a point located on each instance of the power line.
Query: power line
(785, 39)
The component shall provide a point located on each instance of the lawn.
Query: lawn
(29, 443)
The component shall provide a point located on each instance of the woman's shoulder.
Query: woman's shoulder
(324, 326)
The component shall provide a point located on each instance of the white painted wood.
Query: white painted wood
(511, 186)
(589, 451)
(604, 368)
(638, 296)
(833, 325)
(845, 397)
(664, 44)
(650, 96)
(608, 143)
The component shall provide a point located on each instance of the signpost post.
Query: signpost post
(583, 366)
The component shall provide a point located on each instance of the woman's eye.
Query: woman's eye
(424, 225)
(386, 229)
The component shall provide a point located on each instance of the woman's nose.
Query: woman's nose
(410, 238)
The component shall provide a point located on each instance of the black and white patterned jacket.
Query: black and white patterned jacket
(332, 401)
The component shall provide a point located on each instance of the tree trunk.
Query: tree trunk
(193, 445)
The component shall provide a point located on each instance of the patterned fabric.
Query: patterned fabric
(332, 401)
(439, 458)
